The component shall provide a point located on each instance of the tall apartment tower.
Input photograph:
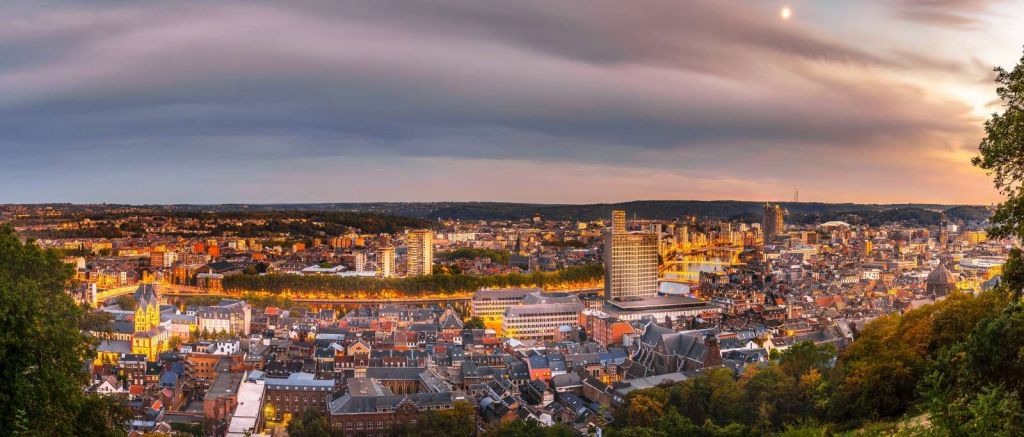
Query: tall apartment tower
(385, 261)
(773, 224)
(630, 262)
(421, 252)
(359, 261)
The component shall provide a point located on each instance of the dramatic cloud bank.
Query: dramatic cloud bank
(578, 101)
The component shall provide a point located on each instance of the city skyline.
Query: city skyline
(872, 102)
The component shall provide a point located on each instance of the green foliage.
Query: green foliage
(97, 321)
(42, 350)
(1001, 151)
(474, 323)
(496, 256)
(763, 401)
(459, 421)
(529, 428)
(126, 302)
(311, 224)
(311, 424)
(878, 374)
(445, 284)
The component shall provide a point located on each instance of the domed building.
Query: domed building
(941, 281)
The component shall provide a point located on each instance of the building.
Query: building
(940, 282)
(369, 408)
(230, 316)
(386, 261)
(421, 252)
(539, 317)
(359, 261)
(221, 398)
(603, 328)
(290, 397)
(662, 351)
(248, 416)
(160, 259)
(150, 337)
(490, 305)
(773, 223)
(631, 262)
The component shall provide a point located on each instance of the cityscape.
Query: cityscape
(453, 218)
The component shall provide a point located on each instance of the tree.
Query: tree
(1002, 156)
(474, 323)
(460, 420)
(126, 302)
(42, 349)
(529, 428)
(311, 424)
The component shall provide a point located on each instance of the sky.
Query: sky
(576, 101)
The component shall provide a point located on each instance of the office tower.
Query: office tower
(386, 261)
(773, 224)
(618, 222)
(630, 262)
(421, 252)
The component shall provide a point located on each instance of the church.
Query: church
(150, 337)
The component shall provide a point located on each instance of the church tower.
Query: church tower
(150, 339)
(147, 312)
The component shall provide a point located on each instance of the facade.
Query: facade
(369, 409)
(292, 396)
(773, 224)
(490, 305)
(386, 262)
(150, 337)
(631, 262)
(603, 328)
(359, 261)
(231, 316)
(421, 252)
(540, 321)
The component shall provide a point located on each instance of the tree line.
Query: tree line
(586, 274)
(955, 362)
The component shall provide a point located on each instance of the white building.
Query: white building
(386, 262)
(231, 316)
(539, 317)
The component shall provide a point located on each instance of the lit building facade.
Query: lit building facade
(386, 262)
(421, 252)
(150, 338)
(773, 223)
(540, 321)
(631, 262)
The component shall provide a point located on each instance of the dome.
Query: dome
(941, 276)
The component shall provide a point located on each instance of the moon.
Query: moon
(786, 12)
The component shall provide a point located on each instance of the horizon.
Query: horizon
(194, 103)
(780, 202)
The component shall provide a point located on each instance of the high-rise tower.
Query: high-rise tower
(773, 223)
(385, 261)
(630, 262)
(421, 252)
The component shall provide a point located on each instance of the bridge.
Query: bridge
(166, 289)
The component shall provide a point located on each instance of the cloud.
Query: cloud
(684, 88)
(961, 14)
